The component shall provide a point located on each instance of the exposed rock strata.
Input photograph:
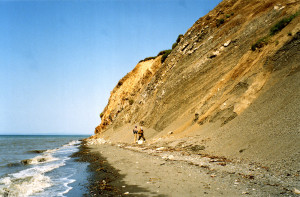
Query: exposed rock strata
(211, 72)
(212, 86)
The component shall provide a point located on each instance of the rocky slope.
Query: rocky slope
(231, 85)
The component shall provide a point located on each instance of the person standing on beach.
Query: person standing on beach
(135, 131)
(141, 134)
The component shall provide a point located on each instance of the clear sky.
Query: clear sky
(59, 59)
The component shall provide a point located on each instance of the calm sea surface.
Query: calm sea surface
(41, 166)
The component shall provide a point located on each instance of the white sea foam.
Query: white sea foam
(66, 182)
(28, 181)
(51, 150)
(33, 181)
(24, 186)
(72, 143)
(37, 170)
(41, 159)
(5, 181)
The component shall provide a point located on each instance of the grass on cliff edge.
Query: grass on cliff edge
(164, 53)
(282, 24)
(274, 30)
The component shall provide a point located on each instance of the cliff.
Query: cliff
(231, 84)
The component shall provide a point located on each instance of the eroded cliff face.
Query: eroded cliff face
(124, 95)
(212, 75)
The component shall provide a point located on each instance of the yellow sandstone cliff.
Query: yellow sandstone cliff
(226, 82)
(124, 94)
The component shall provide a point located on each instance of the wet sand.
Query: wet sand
(145, 170)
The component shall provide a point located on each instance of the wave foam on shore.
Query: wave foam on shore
(34, 179)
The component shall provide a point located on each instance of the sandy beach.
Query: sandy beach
(148, 170)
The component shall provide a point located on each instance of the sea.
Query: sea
(41, 165)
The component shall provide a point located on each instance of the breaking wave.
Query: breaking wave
(27, 182)
(35, 178)
(39, 159)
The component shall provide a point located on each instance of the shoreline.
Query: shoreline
(122, 169)
(104, 179)
(101, 173)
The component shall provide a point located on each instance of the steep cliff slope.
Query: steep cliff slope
(231, 84)
(124, 94)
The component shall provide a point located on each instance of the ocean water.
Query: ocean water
(41, 166)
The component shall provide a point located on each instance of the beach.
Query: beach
(121, 169)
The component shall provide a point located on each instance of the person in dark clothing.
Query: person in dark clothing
(141, 134)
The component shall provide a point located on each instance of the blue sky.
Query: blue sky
(59, 60)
